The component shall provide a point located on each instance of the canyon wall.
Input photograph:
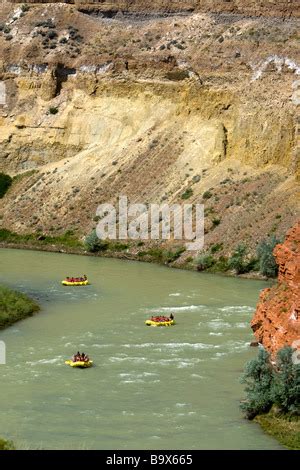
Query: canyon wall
(157, 107)
(281, 8)
(276, 322)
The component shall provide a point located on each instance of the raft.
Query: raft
(80, 364)
(160, 323)
(75, 283)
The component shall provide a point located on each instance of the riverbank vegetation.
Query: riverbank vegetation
(241, 261)
(273, 395)
(213, 261)
(6, 445)
(38, 239)
(14, 306)
(285, 429)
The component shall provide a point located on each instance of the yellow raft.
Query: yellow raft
(160, 323)
(75, 283)
(80, 364)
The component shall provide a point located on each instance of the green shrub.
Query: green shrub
(216, 247)
(52, 34)
(53, 110)
(5, 183)
(216, 221)
(258, 377)
(4, 234)
(6, 445)
(24, 8)
(117, 246)
(267, 263)
(204, 261)
(268, 385)
(239, 261)
(171, 256)
(207, 195)
(93, 244)
(221, 265)
(286, 386)
(46, 24)
(187, 194)
(156, 253)
(252, 264)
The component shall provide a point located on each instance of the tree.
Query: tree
(204, 261)
(237, 260)
(258, 377)
(267, 262)
(286, 386)
(94, 244)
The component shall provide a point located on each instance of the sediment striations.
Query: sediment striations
(276, 322)
(281, 8)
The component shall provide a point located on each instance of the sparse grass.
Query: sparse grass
(14, 306)
(26, 174)
(67, 239)
(284, 428)
(6, 445)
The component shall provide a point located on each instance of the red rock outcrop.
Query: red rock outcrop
(276, 322)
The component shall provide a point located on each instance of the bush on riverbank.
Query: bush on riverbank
(240, 260)
(67, 239)
(273, 393)
(258, 378)
(267, 262)
(15, 306)
(211, 260)
(6, 445)
(93, 243)
(268, 384)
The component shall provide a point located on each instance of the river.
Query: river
(151, 388)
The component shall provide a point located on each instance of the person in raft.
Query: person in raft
(76, 279)
(171, 317)
(80, 357)
(76, 357)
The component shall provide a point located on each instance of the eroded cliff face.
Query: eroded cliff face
(285, 8)
(150, 106)
(276, 322)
